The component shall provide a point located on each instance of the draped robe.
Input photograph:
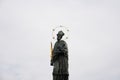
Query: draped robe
(60, 61)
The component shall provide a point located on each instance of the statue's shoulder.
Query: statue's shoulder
(64, 42)
(61, 42)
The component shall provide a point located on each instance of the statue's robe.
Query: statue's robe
(60, 61)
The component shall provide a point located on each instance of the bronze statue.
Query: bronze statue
(59, 59)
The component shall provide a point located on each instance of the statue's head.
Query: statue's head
(60, 35)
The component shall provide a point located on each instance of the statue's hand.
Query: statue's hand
(58, 51)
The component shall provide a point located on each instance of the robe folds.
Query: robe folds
(60, 61)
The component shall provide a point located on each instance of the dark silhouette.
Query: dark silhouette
(59, 59)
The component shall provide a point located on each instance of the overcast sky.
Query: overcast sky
(25, 36)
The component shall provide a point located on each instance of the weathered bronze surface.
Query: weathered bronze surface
(59, 59)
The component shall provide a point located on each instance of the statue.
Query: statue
(59, 59)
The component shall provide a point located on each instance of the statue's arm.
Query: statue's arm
(64, 48)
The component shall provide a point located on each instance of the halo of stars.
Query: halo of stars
(59, 28)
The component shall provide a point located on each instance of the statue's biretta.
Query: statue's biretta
(60, 33)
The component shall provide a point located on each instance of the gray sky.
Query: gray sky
(25, 35)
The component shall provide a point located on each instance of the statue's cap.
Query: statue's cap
(61, 33)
